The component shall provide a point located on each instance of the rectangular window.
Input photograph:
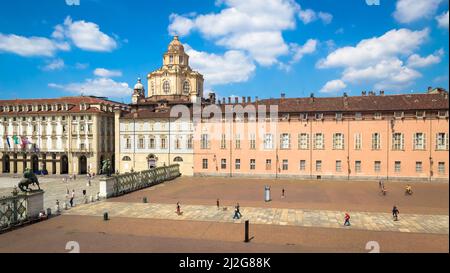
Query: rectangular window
(339, 116)
(398, 142)
(252, 142)
(303, 116)
(238, 142)
(223, 163)
(285, 164)
(358, 115)
(420, 114)
(189, 142)
(223, 142)
(398, 166)
(441, 167)
(338, 141)
(205, 141)
(237, 164)
(285, 141)
(252, 164)
(128, 143)
(163, 142)
(377, 166)
(318, 165)
(376, 141)
(442, 141)
(358, 141)
(419, 141)
(398, 115)
(319, 116)
(268, 164)
(302, 165)
(377, 115)
(357, 166)
(151, 144)
(318, 141)
(338, 166)
(268, 141)
(419, 168)
(205, 163)
(141, 143)
(303, 141)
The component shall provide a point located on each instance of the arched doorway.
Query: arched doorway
(64, 164)
(82, 165)
(151, 161)
(6, 164)
(34, 163)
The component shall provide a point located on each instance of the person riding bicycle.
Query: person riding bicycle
(408, 189)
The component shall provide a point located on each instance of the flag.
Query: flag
(24, 142)
(9, 144)
(16, 139)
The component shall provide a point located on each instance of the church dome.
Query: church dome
(139, 85)
(176, 45)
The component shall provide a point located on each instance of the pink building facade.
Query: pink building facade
(396, 137)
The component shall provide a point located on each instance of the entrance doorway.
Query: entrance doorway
(34, 163)
(6, 164)
(64, 164)
(82, 165)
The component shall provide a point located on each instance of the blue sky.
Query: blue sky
(244, 48)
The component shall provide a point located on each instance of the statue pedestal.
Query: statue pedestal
(106, 187)
(35, 203)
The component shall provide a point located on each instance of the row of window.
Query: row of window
(318, 165)
(318, 141)
(163, 142)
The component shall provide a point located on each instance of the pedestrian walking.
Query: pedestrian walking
(178, 208)
(282, 193)
(238, 211)
(218, 204)
(72, 197)
(347, 219)
(395, 213)
(84, 197)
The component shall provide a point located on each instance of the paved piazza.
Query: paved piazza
(308, 219)
(271, 216)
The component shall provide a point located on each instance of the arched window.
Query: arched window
(186, 87)
(126, 158)
(178, 159)
(153, 88)
(166, 87)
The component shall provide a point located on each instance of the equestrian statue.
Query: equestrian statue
(29, 178)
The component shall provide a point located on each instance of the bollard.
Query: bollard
(49, 212)
(247, 240)
(105, 216)
(145, 200)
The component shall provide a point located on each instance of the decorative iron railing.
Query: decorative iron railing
(13, 210)
(130, 182)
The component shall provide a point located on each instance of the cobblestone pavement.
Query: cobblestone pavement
(414, 223)
(55, 189)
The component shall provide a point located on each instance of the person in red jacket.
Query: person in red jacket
(347, 219)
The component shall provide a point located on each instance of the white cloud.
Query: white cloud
(308, 16)
(32, 46)
(85, 35)
(97, 87)
(81, 66)
(254, 26)
(443, 20)
(57, 64)
(386, 74)
(105, 73)
(232, 67)
(379, 60)
(408, 11)
(371, 51)
(308, 48)
(333, 86)
(416, 60)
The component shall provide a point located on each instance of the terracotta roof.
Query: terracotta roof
(359, 103)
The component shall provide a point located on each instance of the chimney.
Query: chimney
(381, 92)
(236, 100)
(363, 93)
(249, 99)
(243, 99)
